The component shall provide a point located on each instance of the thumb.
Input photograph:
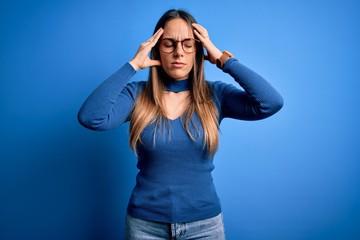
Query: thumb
(155, 63)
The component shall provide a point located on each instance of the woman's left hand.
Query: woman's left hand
(213, 52)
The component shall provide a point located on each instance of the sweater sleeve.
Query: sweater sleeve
(111, 103)
(256, 100)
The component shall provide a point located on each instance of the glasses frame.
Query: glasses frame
(175, 44)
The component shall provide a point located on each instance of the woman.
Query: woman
(174, 121)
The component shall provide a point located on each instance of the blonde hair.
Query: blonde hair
(149, 106)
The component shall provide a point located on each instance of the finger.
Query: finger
(200, 29)
(156, 36)
(199, 35)
(159, 32)
(198, 26)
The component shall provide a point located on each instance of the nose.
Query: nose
(179, 51)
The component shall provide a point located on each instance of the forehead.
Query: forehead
(178, 29)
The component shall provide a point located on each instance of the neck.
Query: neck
(177, 85)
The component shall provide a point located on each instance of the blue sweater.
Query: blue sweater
(174, 182)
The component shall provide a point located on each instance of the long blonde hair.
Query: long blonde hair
(149, 106)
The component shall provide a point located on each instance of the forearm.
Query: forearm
(97, 112)
(263, 99)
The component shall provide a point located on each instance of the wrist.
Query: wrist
(218, 54)
(223, 58)
(134, 65)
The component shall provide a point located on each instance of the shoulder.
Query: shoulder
(220, 88)
(133, 89)
(136, 85)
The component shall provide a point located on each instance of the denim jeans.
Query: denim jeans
(208, 229)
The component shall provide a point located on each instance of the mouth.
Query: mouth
(178, 64)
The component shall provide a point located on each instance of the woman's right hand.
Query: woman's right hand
(141, 59)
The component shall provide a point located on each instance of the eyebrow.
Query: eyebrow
(172, 39)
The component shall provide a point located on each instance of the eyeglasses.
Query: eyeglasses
(168, 45)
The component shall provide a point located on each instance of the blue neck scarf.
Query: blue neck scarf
(177, 85)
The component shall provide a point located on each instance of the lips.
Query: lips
(178, 64)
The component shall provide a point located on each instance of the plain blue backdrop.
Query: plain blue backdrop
(293, 176)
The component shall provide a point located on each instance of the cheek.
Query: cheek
(190, 62)
(164, 58)
(165, 63)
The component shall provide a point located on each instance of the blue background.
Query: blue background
(292, 176)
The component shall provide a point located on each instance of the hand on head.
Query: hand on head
(213, 52)
(141, 59)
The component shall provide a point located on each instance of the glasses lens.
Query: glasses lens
(189, 45)
(167, 46)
